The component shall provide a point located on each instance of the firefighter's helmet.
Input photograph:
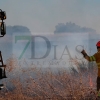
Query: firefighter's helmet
(98, 44)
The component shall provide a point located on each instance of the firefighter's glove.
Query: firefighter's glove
(84, 53)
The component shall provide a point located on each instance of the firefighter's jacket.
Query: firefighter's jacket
(96, 57)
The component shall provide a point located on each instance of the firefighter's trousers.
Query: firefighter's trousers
(98, 83)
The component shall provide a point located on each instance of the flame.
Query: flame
(90, 82)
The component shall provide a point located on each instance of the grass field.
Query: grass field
(33, 83)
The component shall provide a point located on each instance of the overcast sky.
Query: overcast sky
(41, 16)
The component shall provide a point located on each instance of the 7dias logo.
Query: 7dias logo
(31, 41)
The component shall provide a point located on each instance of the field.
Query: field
(32, 83)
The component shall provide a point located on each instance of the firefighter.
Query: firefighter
(95, 57)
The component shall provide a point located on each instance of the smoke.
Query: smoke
(6, 42)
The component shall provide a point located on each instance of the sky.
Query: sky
(42, 16)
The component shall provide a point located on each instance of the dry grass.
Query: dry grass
(34, 84)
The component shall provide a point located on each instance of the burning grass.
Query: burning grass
(33, 83)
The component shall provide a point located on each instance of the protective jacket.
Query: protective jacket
(96, 57)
